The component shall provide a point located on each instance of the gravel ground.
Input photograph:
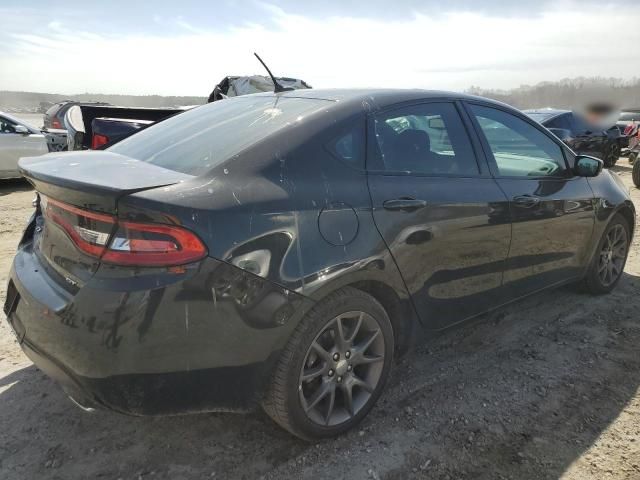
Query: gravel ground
(546, 388)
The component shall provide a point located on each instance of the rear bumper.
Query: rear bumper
(155, 342)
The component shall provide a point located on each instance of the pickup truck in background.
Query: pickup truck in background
(100, 126)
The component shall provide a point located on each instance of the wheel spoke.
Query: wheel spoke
(341, 341)
(358, 382)
(319, 394)
(369, 359)
(332, 403)
(603, 265)
(614, 270)
(347, 394)
(356, 329)
(320, 350)
(362, 347)
(313, 373)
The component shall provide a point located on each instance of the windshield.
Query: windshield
(195, 141)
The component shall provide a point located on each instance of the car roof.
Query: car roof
(379, 98)
(548, 111)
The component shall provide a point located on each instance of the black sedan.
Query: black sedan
(582, 137)
(281, 249)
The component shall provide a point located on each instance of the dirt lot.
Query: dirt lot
(547, 388)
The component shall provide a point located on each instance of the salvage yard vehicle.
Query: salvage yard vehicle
(281, 249)
(633, 159)
(54, 115)
(95, 126)
(582, 137)
(628, 123)
(19, 139)
(99, 126)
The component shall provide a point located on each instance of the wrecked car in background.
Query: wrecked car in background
(100, 126)
(579, 134)
(236, 86)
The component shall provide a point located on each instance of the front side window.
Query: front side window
(519, 149)
(424, 139)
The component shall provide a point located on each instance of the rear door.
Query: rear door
(444, 219)
(552, 210)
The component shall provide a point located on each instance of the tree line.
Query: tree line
(569, 93)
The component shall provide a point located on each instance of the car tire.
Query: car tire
(635, 174)
(608, 263)
(633, 156)
(612, 155)
(344, 344)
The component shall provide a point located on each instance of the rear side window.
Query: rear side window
(195, 141)
(347, 143)
(424, 139)
(519, 149)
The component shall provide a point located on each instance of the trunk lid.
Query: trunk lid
(77, 211)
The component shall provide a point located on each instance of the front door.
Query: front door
(14, 145)
(552, 210)
(442, 216)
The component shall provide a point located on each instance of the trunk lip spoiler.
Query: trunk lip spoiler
(98, 173)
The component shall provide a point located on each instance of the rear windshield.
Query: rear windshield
(628, 116)
(195, 141)
(540, 117)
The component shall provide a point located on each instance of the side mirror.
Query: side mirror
(21, 129)
(587, 166)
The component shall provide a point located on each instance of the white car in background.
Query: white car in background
(18, 139)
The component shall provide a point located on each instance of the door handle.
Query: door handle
(404, 204)
(526, 201)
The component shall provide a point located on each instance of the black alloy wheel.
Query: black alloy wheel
(334, 367)
(342, 368)
(612, 255)
(612, 155)
(609, 261)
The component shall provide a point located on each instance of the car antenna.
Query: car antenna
(277, 88)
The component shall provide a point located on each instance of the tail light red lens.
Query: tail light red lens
(153, 245)
(124, 243)
(98, 140)
(56, 123)
(89, 231)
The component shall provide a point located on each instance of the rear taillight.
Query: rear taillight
(98, 140)
(124, 243)
(153, 245)
(55, 123)
(89, 231)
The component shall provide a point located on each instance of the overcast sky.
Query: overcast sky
(184, 47)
